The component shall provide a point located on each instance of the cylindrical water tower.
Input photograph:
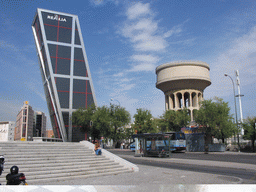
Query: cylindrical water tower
(183, 84)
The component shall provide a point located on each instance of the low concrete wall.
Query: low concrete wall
(113, 157)
(217, 147)
(46, 139)
(195, 142)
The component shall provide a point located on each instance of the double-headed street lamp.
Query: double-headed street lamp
(235, 109)
(115, 100)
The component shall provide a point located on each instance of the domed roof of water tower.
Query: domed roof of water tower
(183, 75)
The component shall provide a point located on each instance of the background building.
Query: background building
(64, 68)
(29, 124)
(49, 133)
(24, 123)
(183, 84)
(7, 131)
(39, 128)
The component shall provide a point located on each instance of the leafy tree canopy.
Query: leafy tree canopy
(82, 118)
(175, 120)
(102, 121)
(144, 121)
(119, 118)
(216, 119)
(250, 130)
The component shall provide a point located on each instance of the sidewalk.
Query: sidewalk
(199, 162)
(150, 175)
(202, 162)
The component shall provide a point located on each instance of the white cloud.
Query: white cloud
(186, 42)
(97, 2)
(141, 29)
(103, 31)
(121, 90)
(102, 2)
(143, 62)
(145, 58)
(143, 67)
(121, 74)
(138, 10)
(143, 35)
(126, 80)
(153, 43)
(240, 56)
(173, 31)
(126, 87)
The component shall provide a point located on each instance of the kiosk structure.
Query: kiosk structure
(153, 144)
(65, 71)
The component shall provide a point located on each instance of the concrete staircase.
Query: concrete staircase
(54, 161)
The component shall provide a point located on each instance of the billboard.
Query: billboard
(4, 132)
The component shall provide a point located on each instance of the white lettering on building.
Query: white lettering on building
(56, 17)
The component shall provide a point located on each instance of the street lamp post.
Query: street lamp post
(115, 100)
(239, 99)
(235, 110)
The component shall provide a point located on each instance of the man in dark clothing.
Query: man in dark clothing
(14, 177)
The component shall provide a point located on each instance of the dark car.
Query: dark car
(132, 146)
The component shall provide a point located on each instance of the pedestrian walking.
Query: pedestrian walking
(122, 145)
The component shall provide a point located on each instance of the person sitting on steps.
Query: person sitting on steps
(97, 148)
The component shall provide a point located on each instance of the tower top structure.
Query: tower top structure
(183, 75)
(183, 83)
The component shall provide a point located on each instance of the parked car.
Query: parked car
(132, 146)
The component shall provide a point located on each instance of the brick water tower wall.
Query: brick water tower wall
(183, 84)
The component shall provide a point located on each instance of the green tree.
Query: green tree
(160, 125)
(82, 118)
(216, 120)
(250, 130)
(101, 122)
(175, 120)
(144, 122)
(128, 132)
(119, 117)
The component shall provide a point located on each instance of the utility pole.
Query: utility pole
(240, 103)
(235, 110)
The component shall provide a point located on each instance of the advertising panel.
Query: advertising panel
(4, 132)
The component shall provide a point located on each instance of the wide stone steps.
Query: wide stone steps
(37, 156)
(47, 167)
(55, 161)
(98, 173)
(42, 163)
(30, 149)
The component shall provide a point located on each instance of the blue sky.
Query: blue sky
(125, 41)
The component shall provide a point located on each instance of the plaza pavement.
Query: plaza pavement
(151, 178)
(149, 175)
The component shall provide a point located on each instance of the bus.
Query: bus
(178, 141)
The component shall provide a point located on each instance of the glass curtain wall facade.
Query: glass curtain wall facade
(65, 71)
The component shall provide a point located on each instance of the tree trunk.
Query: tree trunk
(253, 147)
(207, 141)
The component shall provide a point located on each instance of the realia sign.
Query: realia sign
(56, 18)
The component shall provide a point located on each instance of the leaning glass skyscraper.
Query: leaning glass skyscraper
(64, 67)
